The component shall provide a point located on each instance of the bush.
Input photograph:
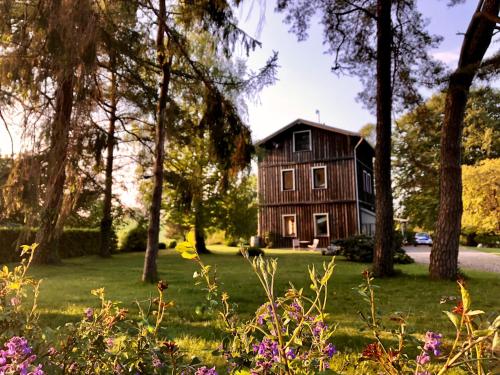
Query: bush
(162, 246)
(172, 244)
(270, 238)
(135, 240)
(251, 251)
(231, 242)
(360, 249)
(74, 242)
(488, 240)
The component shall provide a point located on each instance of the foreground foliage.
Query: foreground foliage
(290, 334)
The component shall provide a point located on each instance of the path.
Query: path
(466, 258)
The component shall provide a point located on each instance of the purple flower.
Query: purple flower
(318, 328)
(156, 362)
(89, 313)
(330, 350)
(18, 358)
(290, 353)
(433, 342)
(206, 371)
(423, 358)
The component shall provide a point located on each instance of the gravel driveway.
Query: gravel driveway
(466, 258)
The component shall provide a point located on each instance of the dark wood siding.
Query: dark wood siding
(339, 178)
(331, 149)
(341, 217)
(325, 146)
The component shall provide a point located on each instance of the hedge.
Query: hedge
(74, 242)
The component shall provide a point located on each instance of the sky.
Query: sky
(305, 83)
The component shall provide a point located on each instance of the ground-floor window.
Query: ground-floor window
(290, 225)
(321, 225)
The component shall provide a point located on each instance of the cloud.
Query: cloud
(448, 57)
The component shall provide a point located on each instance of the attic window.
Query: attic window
(302, 141)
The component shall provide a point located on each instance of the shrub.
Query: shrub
(270, 239)
(252, 251)
(231, 242)
(488, 240)
(135, 239)
(162, 246)
(172, 244)
(74, 242)
(360, 248)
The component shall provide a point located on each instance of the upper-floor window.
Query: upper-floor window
(321, 225)
(289, 225)
(302, 140)
(287, 179)
(319, 177)
(367, 182)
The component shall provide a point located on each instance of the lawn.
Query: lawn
(65, 292)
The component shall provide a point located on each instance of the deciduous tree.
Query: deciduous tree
(477, 39)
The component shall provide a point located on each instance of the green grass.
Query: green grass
(65, 292)
(491, 250)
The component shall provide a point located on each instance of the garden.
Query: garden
(208, 310)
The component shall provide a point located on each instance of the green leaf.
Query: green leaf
(187, 255)
(466, 301)
(475, 312)
(483, 332)
(191, 238)
(454, 318)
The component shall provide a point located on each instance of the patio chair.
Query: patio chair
(295, 243)
(314, 244)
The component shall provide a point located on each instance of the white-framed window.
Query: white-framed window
(321, 225)
(289, 225)
(302, 141)
(318, 177)
(287, 179)
(367, 182)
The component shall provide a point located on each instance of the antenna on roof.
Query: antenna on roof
(317, 112)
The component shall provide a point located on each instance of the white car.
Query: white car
(423, 239)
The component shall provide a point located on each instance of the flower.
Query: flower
(330, 350)
(372, 351)
(17, 358)
(162, 285)
(423, 358)
(433, 342)
(89, 313)
(15, 301)
(156, 362)
(206, 371)
(318, 328)
(290, 353)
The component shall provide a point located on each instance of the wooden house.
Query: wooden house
(314, 182)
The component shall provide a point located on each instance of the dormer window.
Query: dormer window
(302, 141)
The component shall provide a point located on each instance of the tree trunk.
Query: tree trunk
(150, 272)
(199, 232)
(444, 253)
(107, 219)
(48, 235)
(384, 225)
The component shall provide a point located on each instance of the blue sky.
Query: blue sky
(305, 83)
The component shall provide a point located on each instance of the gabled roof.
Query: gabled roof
(309, 123)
